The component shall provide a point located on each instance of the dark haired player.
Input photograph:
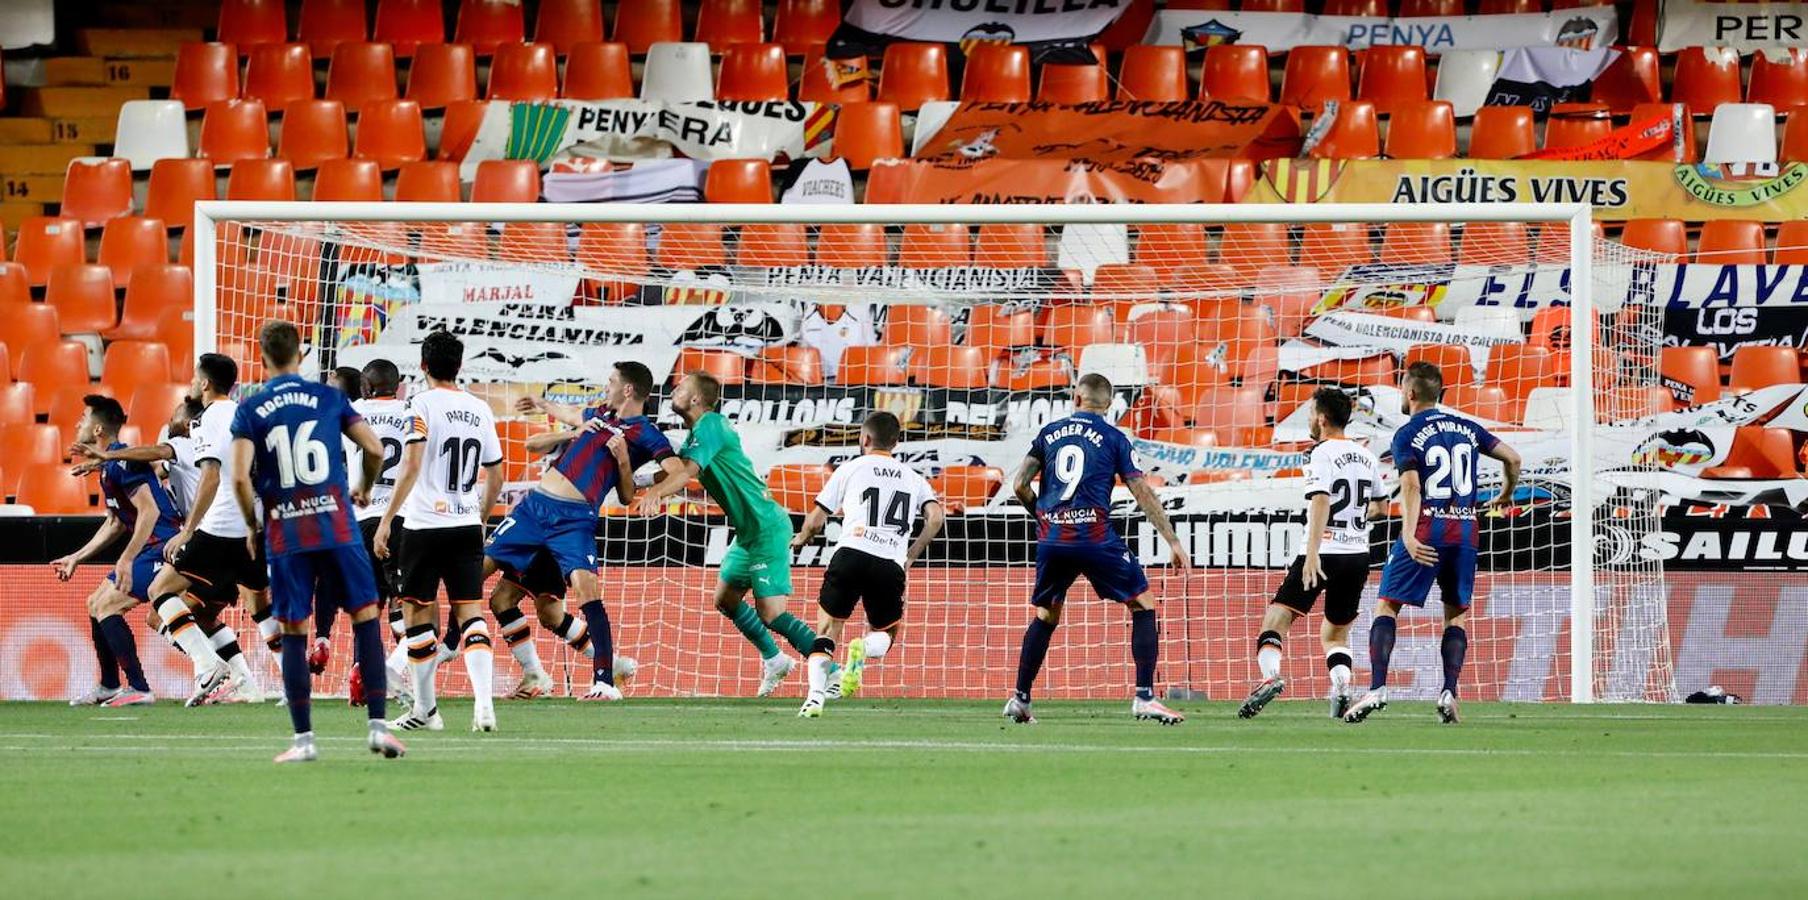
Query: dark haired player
(139, 507)
(288, 436)
(451, 442)
(1080, 458)
(390, 421)
(556, 523)
(350, 382)
(879, 500)
(1342, 483)
(1436, 453)
(759, 560)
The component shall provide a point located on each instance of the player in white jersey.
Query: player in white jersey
(451, 439)
(389, 418)
(879, 500)
(1342, 482)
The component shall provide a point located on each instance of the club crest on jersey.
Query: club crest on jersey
(989, 33)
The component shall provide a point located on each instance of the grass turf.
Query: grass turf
(741, 799)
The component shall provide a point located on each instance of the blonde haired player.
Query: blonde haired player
(879, 500)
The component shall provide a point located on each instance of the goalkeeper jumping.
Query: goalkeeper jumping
(760, 557)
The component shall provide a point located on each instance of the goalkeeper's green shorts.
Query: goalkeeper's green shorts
(763, 565)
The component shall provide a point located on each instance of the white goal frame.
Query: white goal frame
(1577, 216)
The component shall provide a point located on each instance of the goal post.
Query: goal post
(255, 260)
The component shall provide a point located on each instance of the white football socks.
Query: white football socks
(1269, 659)
(480, 664)
(1340, 674)
(877, 642)
(819, 675)
(182, 629)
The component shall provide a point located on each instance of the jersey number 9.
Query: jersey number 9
(1070, 464)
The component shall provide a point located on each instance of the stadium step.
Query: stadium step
(34, 188)
(12, 213)
(97, 71)
(88, 130)
(29, 159)
(136, 43)
(77, 102)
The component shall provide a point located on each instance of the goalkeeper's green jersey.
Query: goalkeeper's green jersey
(728, 475)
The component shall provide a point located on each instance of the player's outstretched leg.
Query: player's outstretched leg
(423, 662)
(108, 687)
(367, 651)
(137, 692)
(179, 624)
(1275, 623)
(1337, 664)
(1453, 648)
(865, 651)
(297, 690)
(821, 656)
(1029, 662)
(1381, 650)
(774, 665)
(480, 668)
(602, 652)
(1145, 647)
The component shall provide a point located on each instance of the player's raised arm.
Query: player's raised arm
(1151, 507)
(678, 473)
(558, 412)
(1509, 463)
(548, 441)
(933, 517)
(144, 453)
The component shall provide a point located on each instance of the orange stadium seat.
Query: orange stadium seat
(781, 244)
(947, 366)
(486, 23)
(935, 246)
(129, 243)
(1795, 136)
(53, 364)
(1154, 73)
(45, 242)
(176, 330)
(1416, 243)
(804, 24)
(1233, 413)
(95, 190)
(1758, 452)
(615, 248)
(279, 74)
(66, 405)
(1631, 80)
(1731, 242)
(16, 405)
(1168, 247)
(1502, 132)
(865, 132)
(1517, 369)
(1495, 243)
(1235, 72)
(874, 365)
(910, 325)
(1036, 375)
(406, 24)
(1331, 248)
(721, 23)
(642, 23)
(1452, 360)
(29, 325)
(996, 73)
(1075, 325)
(442, 74)
(996, 328)
(458, 129)
(1576, 124)
(959, 487)
(598, 71)
(261, 179)
(175, 185)
(251, 22)
(851, 246)
(313, 131)
(567, 23)
(128, 365)
(1792, 243)
(1689, 151)
(506, 181)
(689, 246)
(30, 444)
(205, 74)
(1292, 6)
(151, 290)
(15, 286)
(912, 74)
(541, 242)
(1657, 235)
(834, 80)
(1487, 401)
(1413, 8)
(727, 367)
(1010, 246)
(83, 297)
(795, 485)
(1512, 7)
(1626, 403)
(1073, 83)
(1757, 366)
(325, 24)
(1314, 75)
(1393, 76)
(753, 72)
(1252, 247)
(361, 73)
(1119, 286)
(1422, 131)
(1779, 78)
(1354, 133)
(794, 364)
(151, 405)
(1706, 77)
(357, 180)
(392, 133)
(523, 72)
(51, 491)
(232, 130)
(428, 182)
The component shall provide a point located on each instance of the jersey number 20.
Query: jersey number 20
(1452, 470)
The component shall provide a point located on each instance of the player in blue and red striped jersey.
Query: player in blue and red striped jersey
(139, 507)
(1080, 459)
(1436, 453)
(556, 523)
(287, 451)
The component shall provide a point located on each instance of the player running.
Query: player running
(879, 500)
(1342, 482)
(139, 507)
(1435, 453)
(287, 436)
(1079, 459)
(452, 438)
(555, 525)
(759, 560)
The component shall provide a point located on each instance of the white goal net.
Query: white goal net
(1214, 324)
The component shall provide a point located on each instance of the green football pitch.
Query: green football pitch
(712, 798)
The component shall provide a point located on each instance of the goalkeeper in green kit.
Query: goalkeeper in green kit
(760, 557)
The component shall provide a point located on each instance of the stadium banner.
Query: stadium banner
(1541, 77)
(1726, 329)
(1629, 141)
(1056, 30)
(772, 281)
(582, 179)
(1745, 27)
(999, 181)
(1617, 189)
(1115, 132)
(1584, 28)
(629, 130)
(1447, 289)
(1355, 329)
